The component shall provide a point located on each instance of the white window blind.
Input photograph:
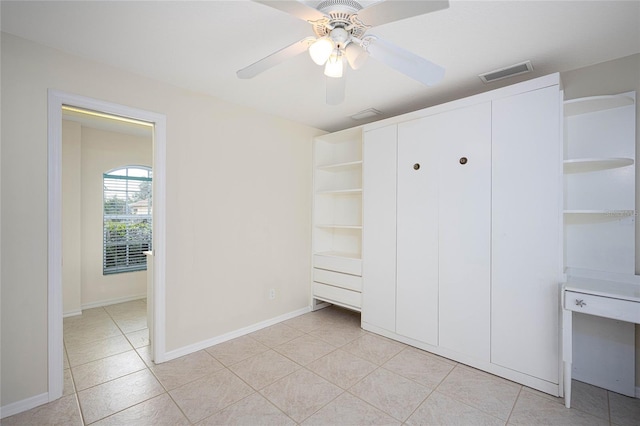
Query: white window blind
(127, 219)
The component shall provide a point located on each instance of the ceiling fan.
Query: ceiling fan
(341, 29)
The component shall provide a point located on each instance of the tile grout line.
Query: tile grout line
(514, 406)
(609, 408)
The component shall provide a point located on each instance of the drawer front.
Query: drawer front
(623, 310)
(337, 279)
(339, 296)
(339, 264)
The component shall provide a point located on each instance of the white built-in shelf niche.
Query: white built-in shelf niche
(338, 194)
(337, 219)
(599, 196)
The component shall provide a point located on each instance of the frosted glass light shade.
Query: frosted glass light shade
(334, 66)
(320, 50)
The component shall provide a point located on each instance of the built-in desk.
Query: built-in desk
(609, 299)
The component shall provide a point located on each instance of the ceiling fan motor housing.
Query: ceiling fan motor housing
(340, 14)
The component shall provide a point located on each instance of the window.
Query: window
(127, 219)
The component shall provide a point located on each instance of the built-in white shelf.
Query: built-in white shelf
(341, 167)
(595, 217)
(606, 288)
(595, 103)
(342, 254)
(598, 215)
(336, 226)
(599, 180)
(350, 191)
(337, 219)
(582, 165)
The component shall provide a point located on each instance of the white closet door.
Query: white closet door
(379, 228)
(417, 288)
(526, 248)
(464, 240)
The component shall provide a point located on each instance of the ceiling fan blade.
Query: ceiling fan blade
(275, 58)
(395, 10)
(409, 64)
(295, 8)
(356, 55)
(335, 90)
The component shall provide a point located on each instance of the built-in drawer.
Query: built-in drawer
(624, 310)
(337, 295)
(348, 265)
(337, 279)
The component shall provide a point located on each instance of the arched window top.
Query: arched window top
(127, 215)
(131, 172)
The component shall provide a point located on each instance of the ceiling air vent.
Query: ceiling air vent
(509, 71)
(367, 113)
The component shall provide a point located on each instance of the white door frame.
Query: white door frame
(54, 133)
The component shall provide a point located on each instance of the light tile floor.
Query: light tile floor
(316, 369)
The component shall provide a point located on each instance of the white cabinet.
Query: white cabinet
(337, 218)
(417, 232)
(464, 137)
(443, 222)
(462, 247)
(379, 216)
(526, 232)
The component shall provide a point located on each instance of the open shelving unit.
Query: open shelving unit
(599, 169)
(599, 226)
(337, 219)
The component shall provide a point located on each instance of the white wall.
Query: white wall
(103, 151)
(71, 217)
(618, 76)
(238, 207)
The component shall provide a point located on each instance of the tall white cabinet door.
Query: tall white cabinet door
(526, 205)
(464, 239)
(379, 228)
(417, 262)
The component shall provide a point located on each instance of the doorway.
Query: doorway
(156, 297)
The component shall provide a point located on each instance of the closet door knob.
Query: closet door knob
(463, 160)
(416, 166)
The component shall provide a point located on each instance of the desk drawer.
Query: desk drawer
(350, 282)
(623, 310)
(339, 296)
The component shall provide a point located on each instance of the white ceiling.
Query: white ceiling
(200, 45)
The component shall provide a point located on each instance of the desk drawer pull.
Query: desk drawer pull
(581, 303)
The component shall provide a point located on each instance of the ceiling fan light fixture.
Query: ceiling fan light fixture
(334, 66)
(320, 50)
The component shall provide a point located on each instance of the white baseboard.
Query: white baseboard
(108, 302)
(72, 313)
(186, 350)
(23, 405)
